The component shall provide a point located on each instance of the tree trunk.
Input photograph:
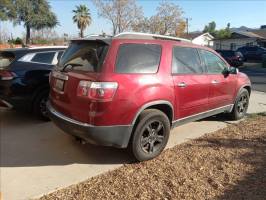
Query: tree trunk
(27, 35)
(81, 33)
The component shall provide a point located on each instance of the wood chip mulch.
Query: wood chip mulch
(227, 164)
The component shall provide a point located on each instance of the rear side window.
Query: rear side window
(186, 61)
(5, 59)
(83, 56)
(138, 58)
(214, 64)
(46, 57)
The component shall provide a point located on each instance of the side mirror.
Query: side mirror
(233, 70)
(230, 70)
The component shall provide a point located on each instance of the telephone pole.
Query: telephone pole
(188, 19)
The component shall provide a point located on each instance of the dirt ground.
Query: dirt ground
(227, 164)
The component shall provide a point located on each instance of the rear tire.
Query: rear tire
(241, 105)
(39, 106)
(151, 135)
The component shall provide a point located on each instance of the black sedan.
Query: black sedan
(24, 77)
(234, 58)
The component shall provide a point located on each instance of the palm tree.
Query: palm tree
(82, 17)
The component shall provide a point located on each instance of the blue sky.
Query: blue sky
(248, 13)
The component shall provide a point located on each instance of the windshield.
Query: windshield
(83, 56)
(5, 59)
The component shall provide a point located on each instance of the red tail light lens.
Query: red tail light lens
(6, 75)
(101, 91)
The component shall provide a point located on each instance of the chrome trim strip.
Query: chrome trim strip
(70, 120)
(203, 115)
(204, 112)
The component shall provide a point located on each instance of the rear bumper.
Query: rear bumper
(117, 135)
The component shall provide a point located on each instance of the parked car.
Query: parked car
(130, 90)
(234, 58)
(24, 77)
(253, 53)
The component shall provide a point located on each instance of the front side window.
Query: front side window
(83, 56)
(214, 64)
(138, 58)
(46, 57)
(186, 61)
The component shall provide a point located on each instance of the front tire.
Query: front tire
(151, 135)
(241, 105)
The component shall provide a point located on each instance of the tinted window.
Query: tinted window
(214, 64)
(186, 61)
(138, 58)
(43, 57)
(5, 59)
(84, 56)
(228, 53)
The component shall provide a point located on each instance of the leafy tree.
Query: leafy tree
(181, 28)
(210, 28)
(221, 34)
(6, 9)
(34, 14)
(82, 17)
(123, 14)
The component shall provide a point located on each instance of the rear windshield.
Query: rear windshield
(138, 58)
(5, 59)
(83, 56)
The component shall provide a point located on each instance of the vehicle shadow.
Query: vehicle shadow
(25, 142)
(251, 185)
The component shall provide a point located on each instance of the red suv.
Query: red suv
(130, 90)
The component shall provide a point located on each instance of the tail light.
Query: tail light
(101, 91)
(6, 75)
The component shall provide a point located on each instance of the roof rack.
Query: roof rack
(136, 35)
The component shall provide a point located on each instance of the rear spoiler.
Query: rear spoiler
(94, 39)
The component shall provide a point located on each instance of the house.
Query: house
(241, 38)
(204, 39)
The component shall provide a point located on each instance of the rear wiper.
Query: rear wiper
(73, 65)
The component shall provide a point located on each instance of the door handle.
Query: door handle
(182, 84)
(215, 82)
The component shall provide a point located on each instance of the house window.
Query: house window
(250, 44)
(218, 46)
(233, 46)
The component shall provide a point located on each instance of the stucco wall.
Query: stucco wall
(203, 40)
(226, 43)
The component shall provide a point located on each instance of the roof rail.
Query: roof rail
(140, 35)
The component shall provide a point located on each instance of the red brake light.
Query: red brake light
(6, 75)
(101, 91)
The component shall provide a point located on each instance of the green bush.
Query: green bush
(16, 41)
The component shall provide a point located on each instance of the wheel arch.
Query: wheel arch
(165, 106)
